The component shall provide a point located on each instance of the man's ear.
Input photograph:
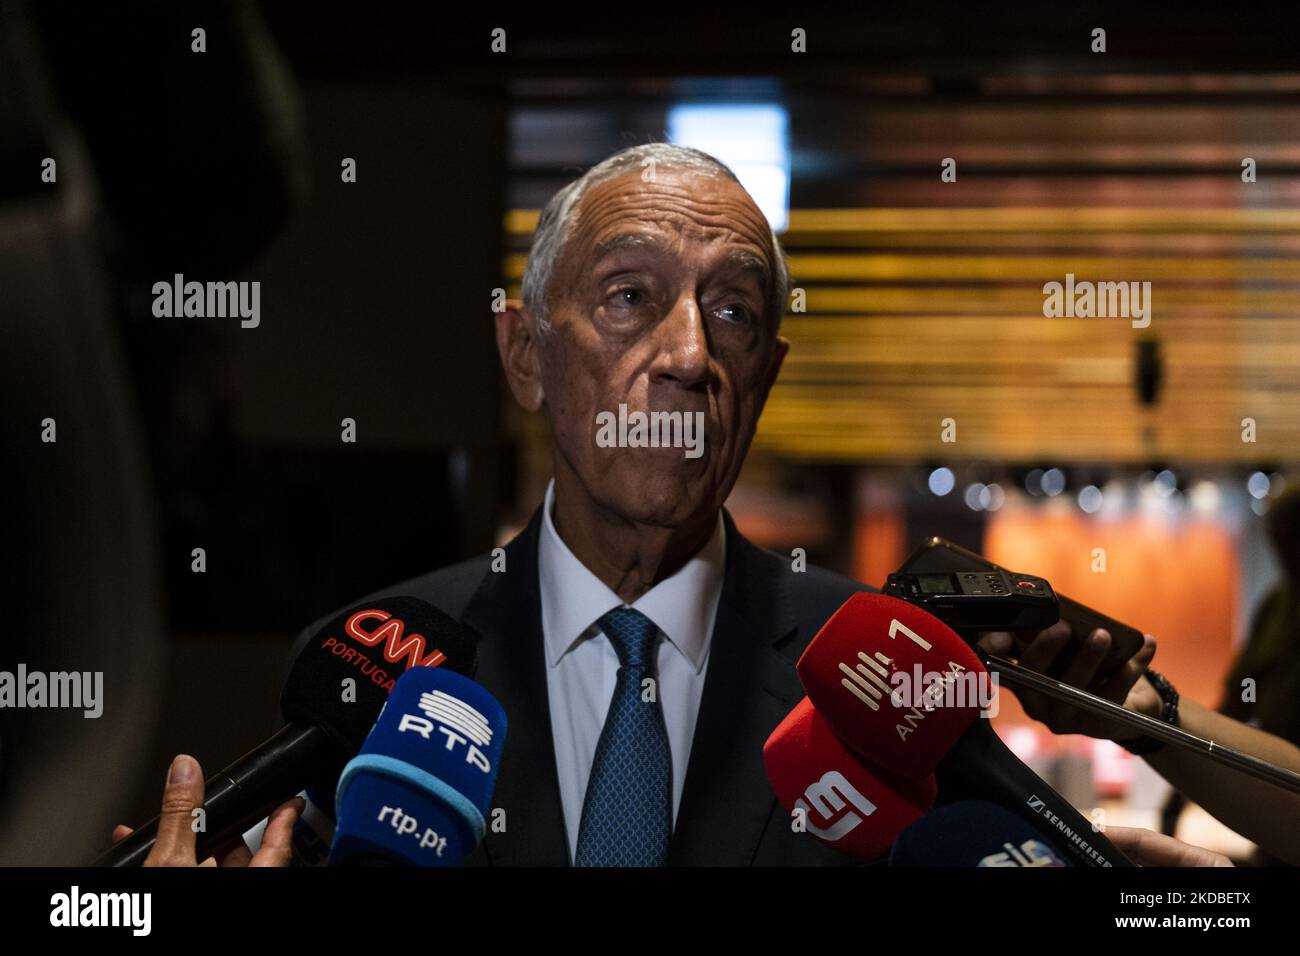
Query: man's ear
(520, 354)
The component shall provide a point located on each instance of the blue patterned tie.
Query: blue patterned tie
(627, 816)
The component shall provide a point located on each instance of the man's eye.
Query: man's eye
(629, 296)
(736, 313)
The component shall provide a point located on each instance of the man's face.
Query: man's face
(660, 303)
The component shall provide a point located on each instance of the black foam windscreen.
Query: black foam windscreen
(344, 671)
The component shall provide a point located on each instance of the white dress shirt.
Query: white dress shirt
(581, 664)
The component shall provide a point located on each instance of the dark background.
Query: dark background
(183, 433)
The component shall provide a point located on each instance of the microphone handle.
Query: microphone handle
(1059, 690)
(243, 793)
(981, 767)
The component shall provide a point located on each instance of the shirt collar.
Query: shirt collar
(683, 606)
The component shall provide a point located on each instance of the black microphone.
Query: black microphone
(982, 767)
(973, 833)
(327, 718)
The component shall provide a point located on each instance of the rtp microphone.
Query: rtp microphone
(335, 690)
(855, 809)
(418, 793)
(856, 670)
(973, 833)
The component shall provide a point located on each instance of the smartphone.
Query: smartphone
(938, 555)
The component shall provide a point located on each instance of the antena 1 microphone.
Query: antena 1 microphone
(418, 793)
(973, 833)
(855, 671)
(856, 809)
(328, 717)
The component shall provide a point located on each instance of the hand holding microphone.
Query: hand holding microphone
(1044, 652)
(177, 839)
(1148, 848)
(331, 698)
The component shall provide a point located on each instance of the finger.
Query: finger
(210, 861)
(1116, 687)
(183, 793)
(1083, 668)
(1036, 705)
(1046, 647)
(239, 856)
(1134, 843)
(1149, 848)
(277, 841)
(121, 832)
(996, 642)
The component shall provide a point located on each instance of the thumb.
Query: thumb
(182, 794)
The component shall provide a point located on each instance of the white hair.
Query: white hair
(555, 225)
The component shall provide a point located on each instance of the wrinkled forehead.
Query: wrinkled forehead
(674, 208)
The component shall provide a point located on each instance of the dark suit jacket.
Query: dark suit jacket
(728, 814)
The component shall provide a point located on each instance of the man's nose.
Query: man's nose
(683, 345)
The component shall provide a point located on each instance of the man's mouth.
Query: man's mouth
(685, 432)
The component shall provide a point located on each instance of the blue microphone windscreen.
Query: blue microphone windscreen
(973, 833)
(419, 791)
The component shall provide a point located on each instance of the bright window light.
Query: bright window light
(752, 139)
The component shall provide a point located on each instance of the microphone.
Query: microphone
(419, 791)
(1059, 690)
(855, 809)
(973, 833)
(335, 690)
(855, 670)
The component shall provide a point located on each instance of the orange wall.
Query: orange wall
(1173, 578)
(878, 545)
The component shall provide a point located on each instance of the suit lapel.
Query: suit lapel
(751, 685)
(506, 610)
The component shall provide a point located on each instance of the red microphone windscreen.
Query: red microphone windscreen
(896, 683)
(856, 809)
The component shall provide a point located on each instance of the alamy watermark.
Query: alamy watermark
(928, 690)
(1084, 300)
(208, 300)
(82, 690)
(651, 430)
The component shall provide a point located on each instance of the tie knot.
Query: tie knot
(631, 633)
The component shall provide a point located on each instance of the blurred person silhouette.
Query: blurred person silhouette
(1270, 658)
(159, 160)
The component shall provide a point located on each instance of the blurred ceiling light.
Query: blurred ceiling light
(1205, 497)
(1114, 498)
(752, 139)
(1258, 484)
(992, 496)
(1090, 499)
(941, 481)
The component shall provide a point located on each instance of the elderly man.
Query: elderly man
(654, 282)
(641, 647)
